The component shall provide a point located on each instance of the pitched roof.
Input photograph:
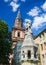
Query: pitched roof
(42, 32)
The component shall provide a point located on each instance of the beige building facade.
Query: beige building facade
(40, 40)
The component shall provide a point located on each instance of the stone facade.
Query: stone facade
(19, 35)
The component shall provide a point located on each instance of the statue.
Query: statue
(28, 31)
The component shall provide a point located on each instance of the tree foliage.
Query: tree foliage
(5, 43)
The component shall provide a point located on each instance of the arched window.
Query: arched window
(29, 54)
(18, 34)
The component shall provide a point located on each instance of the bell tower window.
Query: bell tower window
(18, 34)
(29, 54)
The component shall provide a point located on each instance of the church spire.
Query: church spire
(18, 20)
(19, 14)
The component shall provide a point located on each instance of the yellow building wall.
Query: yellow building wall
(29, 63)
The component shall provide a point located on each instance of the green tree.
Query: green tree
(5, 43)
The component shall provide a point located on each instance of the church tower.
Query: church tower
(17, 38)
(29, 49)
(18, 31)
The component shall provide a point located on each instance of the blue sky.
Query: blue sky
(32, 10)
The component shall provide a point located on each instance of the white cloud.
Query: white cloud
(15, 0)
(23, 0)
(14, 6)
(44, 6)
(34, 12)
(39, 21)
(27, 20)
(6, 0)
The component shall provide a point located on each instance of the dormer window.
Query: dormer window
(18, 34)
